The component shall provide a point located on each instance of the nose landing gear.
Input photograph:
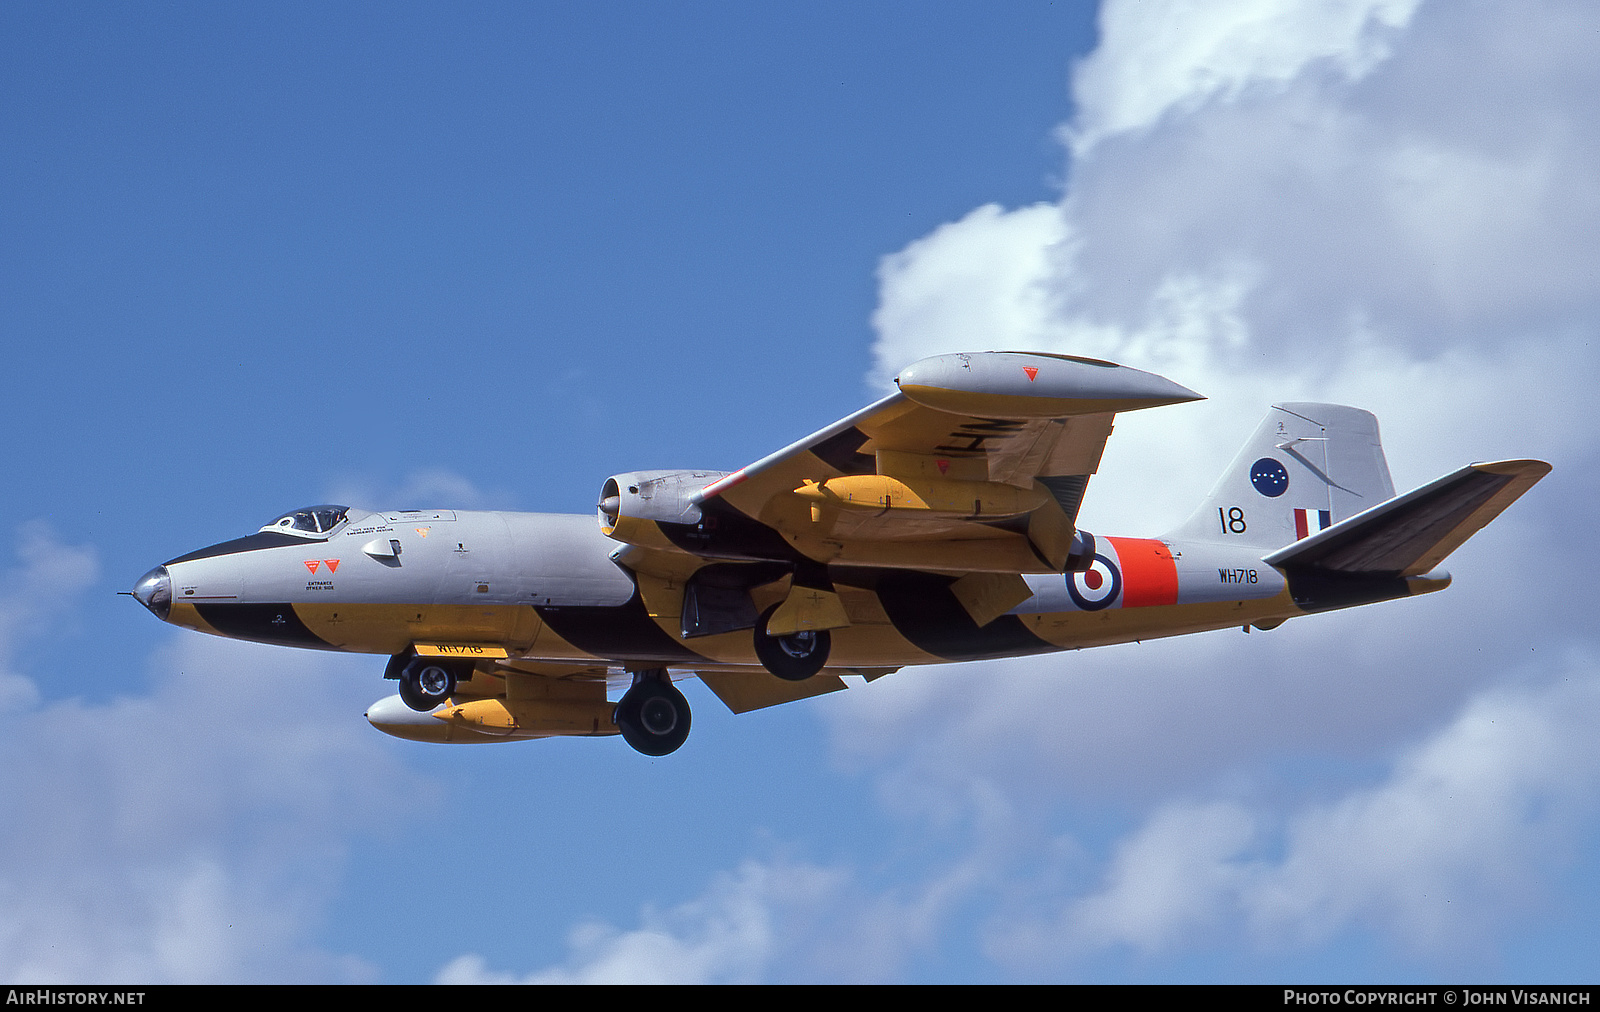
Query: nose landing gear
(425, 682)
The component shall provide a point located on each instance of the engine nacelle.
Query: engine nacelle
(632, 504)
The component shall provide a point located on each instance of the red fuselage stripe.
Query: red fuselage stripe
(1149, 574)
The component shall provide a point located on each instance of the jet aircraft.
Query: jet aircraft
(938, 524)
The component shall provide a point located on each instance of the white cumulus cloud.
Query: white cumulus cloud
(1469, 827)
(734, 933)
(1163, 57)
(37, 594)
(194, 834)
(1385, 204)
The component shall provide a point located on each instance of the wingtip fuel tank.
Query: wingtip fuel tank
(1015, 384)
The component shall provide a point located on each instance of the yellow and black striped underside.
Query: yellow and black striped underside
(902, 618)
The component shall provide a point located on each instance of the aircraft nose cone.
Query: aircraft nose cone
(154, 591)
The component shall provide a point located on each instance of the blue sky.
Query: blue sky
(404, 256)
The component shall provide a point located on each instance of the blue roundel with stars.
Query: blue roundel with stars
(1269, 477)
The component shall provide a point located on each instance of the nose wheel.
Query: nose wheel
(653, 715)
(424, 681)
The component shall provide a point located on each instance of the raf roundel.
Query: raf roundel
(1269, 477)
(1097, 587)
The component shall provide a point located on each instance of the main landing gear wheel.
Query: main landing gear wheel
(653, 715)
(794, 657)
(425, 683)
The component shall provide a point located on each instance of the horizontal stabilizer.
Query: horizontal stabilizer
(1411, 534)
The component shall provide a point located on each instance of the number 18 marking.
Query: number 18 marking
(1232, 521)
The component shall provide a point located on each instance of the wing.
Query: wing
(753, 689)
(977, 464)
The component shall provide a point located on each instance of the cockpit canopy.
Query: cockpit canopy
(312, 521)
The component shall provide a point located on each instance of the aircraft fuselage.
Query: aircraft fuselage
(546, 587)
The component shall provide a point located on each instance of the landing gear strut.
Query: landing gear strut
(653, 715)
(425, 682)
(794, 657)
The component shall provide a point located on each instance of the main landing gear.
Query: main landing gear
(425, 682)
(794, 657)
(653, 715)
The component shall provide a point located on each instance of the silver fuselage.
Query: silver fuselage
(550, 587)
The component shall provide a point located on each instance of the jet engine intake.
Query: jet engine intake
(632, 504)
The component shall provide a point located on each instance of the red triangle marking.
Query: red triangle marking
(332, 564)
(1032, 371)
(312, 565)
(944, 465)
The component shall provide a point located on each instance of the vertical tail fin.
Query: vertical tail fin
(1307, 467)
